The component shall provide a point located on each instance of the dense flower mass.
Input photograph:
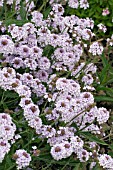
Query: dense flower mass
(22, 158)
(7, 133)
(49, 63)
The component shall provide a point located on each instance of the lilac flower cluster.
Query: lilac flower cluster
(72, 3)
(70, 105)
(7, 133)
(63, 80)
(102, 27)
(106, 161)
(96, 48)
(22, 158)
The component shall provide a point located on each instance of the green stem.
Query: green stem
(44, 4)
(77, 115)
(10, 168)
(48, 165)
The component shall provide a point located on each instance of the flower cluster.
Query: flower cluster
(105, 12)
(102, 27)
(22, 158)
(106, 161)
(70, 105)
(96, 48)
(72, 3)
(46, 58)
(7, 133)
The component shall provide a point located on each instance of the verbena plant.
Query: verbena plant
(56, 85)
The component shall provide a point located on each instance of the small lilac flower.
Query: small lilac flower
(105, 12)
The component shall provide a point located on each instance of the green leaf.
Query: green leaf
(104, 60)
(11, 94)
(111, 146)
(109, 81)
(104, 89)
(97, 16)
(110, 153)
(14, 21)
(2, 10)
(5, 106)
(92, 137)
(103, 98)
(22, 11)
(104, 75)
(109, 91)
(101, 2)
(110, 2)
(109, 24)
(46, 12)
(97, 167)
(91, 13)
(48, 51)
(77, 166)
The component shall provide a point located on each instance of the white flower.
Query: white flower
(102, 27)
(96, 48)
(4, 148)
(103, 115)
(106, 161)
(22, 158)
(77, 143)
(83, 155)
(58, 151)
(6, 45)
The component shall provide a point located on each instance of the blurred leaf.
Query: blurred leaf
(109, 81)
(48, 50)
(14, 21)
(1, 13)
(97, 167)
(111, 146)
(109, 91)
(92, 137)
(77, 166)
(110, 153)
(103, 98)
(109, 24)
(22, 11)
(110, 2)
(91, 13)
(104, 75)
(104, 60)
(97, 16)
(10, 94)
(46, 12)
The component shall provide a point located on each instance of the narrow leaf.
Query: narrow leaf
(103, 98)
(93, 138)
